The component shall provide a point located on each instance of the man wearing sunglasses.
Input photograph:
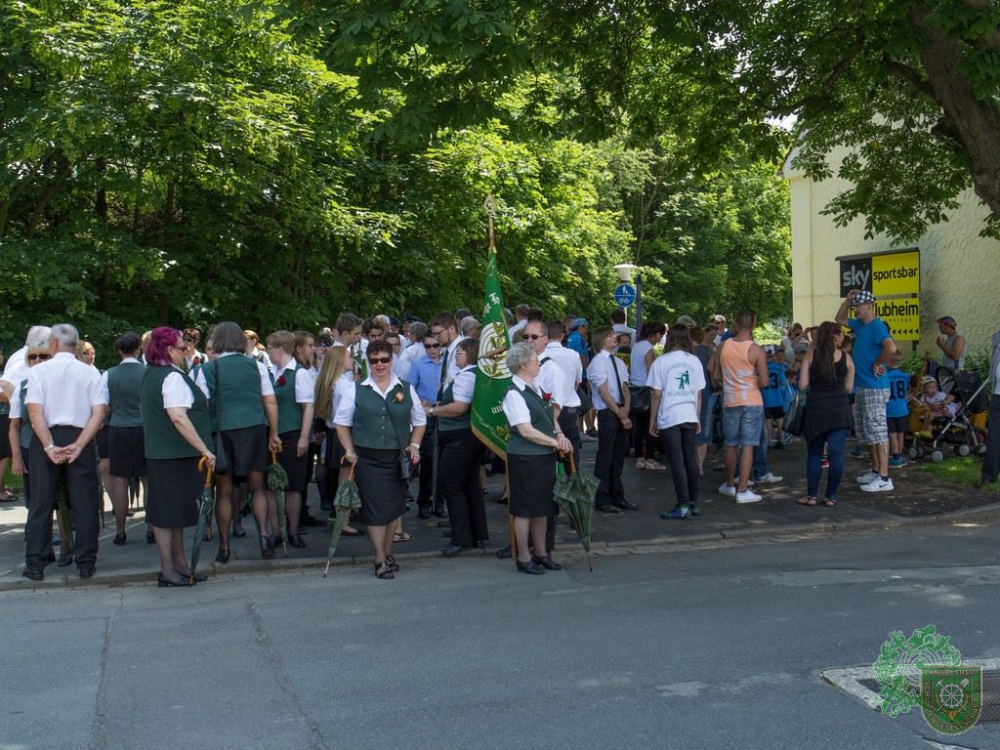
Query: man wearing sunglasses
(425, 377)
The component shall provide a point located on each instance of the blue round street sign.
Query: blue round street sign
(624, 295)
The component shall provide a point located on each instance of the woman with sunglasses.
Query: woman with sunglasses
(379, 420)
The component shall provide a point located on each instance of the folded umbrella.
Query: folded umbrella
(348, 498)
(206, 507)
(574, 493)
(277, 482)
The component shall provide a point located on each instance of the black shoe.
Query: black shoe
(391, 562)
(86, 571)
(608, 509)
(453, 549)
(441, 512)
(222, 556)
(546, 562)
(296, 541)
(165, 583)
(626, 505)
(198, 577)
(424, 513)
(310, 521)
(64, 561)
(266, 548)
(150, 539)
(119, 538)
(530, 567)
(50, 558)
(33, 574)
(504, 554)
(239, 534)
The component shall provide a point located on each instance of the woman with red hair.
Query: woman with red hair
(177, 432)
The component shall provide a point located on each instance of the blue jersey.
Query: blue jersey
(777, 386)
(868, 348)
(899, 386)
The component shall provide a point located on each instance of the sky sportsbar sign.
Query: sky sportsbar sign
(894, 278)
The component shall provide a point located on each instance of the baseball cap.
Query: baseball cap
(861, 297)
(578, 323)
(769, 348)
(927, 379)
(947, 320)
(685, 320)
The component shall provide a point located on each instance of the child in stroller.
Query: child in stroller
(946, 420)
(941, 406)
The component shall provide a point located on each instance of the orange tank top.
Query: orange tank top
(739, 377)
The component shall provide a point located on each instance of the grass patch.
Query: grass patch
(959, 470)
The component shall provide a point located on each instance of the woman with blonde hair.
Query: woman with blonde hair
(334, 373)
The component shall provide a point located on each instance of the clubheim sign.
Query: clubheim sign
(894, 279)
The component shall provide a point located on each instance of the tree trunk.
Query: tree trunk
(975, 123)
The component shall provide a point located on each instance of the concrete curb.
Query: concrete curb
(147, 576)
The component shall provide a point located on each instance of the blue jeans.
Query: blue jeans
(741, 425)
(834, 440)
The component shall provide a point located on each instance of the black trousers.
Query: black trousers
(569, 423)
(991, 464)
(459, 455)
(643, 443)
(84, 500)
(612, 445)
(681, 450)
(332, 456)
(427, 466)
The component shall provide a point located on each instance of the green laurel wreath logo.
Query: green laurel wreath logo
(897, 668)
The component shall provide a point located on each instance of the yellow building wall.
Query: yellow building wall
(959, 270)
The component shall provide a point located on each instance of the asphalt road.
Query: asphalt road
(686, 648)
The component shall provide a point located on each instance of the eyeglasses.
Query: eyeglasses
(532, 336)
(438, 332)
(188, 340)
(380, 360)
(432, 346)
(42, 357)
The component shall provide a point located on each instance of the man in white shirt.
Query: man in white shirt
(618, 324)
(608, 377)
(569, 363)
(444, 328)
(66, 410)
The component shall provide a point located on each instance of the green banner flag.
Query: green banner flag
(493, 378)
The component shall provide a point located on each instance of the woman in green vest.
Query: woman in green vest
(294, 392)
(177, 433)
(460, 453)
(245, 412)
(531, 458)
(379, 420)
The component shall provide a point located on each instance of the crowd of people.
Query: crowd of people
(387, 399)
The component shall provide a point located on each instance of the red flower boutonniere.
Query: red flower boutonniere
(546, 396)
(400, 397)
(280, 381)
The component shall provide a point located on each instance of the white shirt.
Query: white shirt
(67, 389)
(602, 370)
(345, 409)
(338, 395)
(552, 379)
(569, 361)
(464, 386)
(15, 404)
(514, 332)
(679, 377)
(452, 364)
(266, 388)
(638, 373)
(104, 379)
(305, 386)
(16, 370)
(515, 408)
(176, 392)
(400, 367)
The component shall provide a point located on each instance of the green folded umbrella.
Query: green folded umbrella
(574, 493)
(206, 507)
(348, 498)
(277, 482)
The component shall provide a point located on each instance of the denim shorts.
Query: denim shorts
(742, 425)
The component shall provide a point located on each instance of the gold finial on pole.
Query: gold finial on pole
(491, 207)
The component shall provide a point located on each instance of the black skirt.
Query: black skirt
(294, 466)
(126, 451)
(383, 492)
(174, 486)
(102, 443)
(825, 411)
(4, 431)
(532, 481)
(246, 449)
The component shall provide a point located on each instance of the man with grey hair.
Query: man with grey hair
(66, 409)
(16, 370)
(470, 327)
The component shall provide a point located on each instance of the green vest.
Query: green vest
(124, 384)
(162, 438)
(541, 420)
(464, 422)
(27, 432)
(240, 394)
(382, 424)
(289, 411)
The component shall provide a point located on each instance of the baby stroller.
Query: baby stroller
(957, 431)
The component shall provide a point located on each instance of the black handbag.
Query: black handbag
(640, 399)
(405, 465)
(794, 420)
(221, 459)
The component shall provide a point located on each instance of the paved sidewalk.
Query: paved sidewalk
(919, 497)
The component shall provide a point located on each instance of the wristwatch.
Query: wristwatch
(415, 445)
(430, 412)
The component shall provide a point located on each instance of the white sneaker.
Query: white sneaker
(769, 478)
(748, 496)
(653, 465)
(728, 490)
(868, 477)
(640, 463)
(879, 485)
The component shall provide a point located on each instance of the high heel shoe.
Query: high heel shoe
(165, 583)
(223, 555)
(266, 548)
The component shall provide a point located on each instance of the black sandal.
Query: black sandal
(393, 565)
(383, 571)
